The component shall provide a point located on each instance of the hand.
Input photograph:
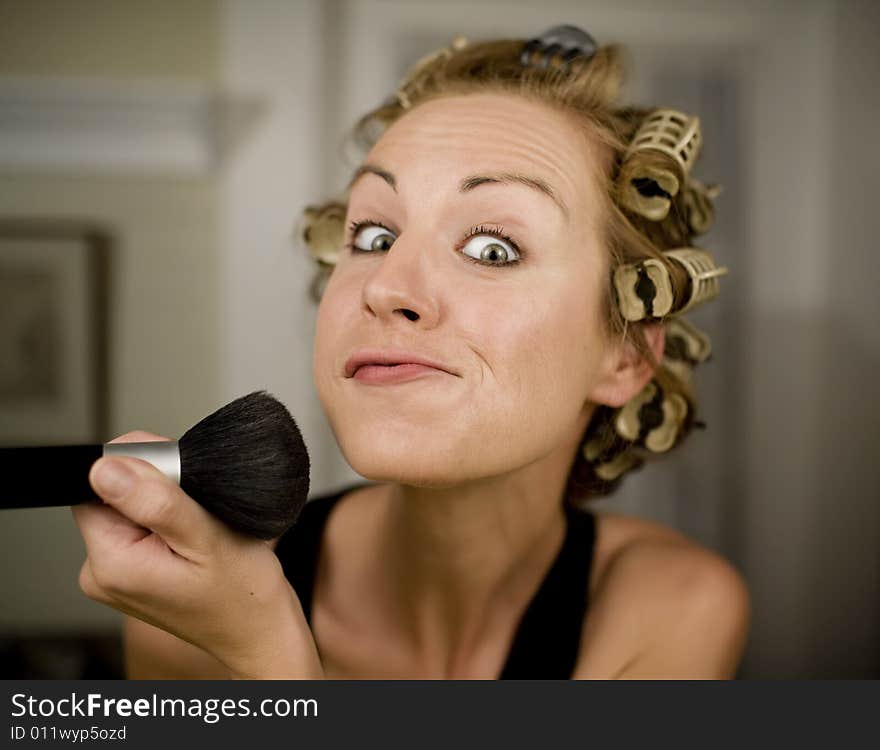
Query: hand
(154, 553)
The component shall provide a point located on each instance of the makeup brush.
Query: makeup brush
(246, 464)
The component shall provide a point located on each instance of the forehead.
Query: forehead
(492, 132)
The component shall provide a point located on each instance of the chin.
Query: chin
(418, 461)
(380, 465)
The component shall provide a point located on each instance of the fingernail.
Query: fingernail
(113, 479)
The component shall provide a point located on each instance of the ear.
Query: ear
(625, 372)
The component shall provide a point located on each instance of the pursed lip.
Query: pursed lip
(390, 357)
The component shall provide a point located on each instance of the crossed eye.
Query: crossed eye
(373, 237)
(482, 247)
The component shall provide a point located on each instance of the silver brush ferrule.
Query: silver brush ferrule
(163, 454)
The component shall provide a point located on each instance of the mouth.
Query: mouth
(388, 374)
(391, 365)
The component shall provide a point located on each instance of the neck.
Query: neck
(462, 560)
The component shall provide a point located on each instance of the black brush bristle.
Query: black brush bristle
(247, 464)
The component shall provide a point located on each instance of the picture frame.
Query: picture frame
(54, 366)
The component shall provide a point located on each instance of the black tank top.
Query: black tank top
(545, 645)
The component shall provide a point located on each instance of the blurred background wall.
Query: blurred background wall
(58, 60)
(193, 134)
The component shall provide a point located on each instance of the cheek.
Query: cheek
(547, 348)
(333, 319)
(539, 356)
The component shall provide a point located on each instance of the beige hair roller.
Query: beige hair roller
(674, 133)
(671, 410)
(686, 347)
(702, 272)
(644, 289)
(648, 189)
(322, 230)
(697, 204)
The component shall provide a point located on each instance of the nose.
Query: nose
(400, 286)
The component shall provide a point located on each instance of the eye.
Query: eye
(490, 250)
(370, 236)
(485, 245)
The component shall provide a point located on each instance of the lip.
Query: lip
(392, 357)
(390, 374)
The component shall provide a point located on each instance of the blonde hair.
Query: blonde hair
(588, 90)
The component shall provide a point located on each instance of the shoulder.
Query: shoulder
(661, 605)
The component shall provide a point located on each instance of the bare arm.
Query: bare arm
(152, 654)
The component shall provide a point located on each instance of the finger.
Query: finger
(142, 493)
(139, 436)
(105, 530)
(95, 587)
(115, 573)
(118, 552)
(89, 586)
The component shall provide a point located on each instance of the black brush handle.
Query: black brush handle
(47, 476)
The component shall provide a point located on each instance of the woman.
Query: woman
(490, 352)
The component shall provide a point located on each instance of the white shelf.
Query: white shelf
(150, 128)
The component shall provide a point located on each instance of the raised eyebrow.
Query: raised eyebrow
(469, 183)
(373, 169)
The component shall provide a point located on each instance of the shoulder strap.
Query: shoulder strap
(546, 643)
(298, 548)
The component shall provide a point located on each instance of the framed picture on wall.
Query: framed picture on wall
(53, 332)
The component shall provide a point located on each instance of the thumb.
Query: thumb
(143, 494)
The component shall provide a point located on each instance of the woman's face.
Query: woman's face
(480, 176)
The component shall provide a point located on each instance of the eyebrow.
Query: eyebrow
(469, 183)
(373, 169)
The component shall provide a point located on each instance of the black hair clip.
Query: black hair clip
(558, 46)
